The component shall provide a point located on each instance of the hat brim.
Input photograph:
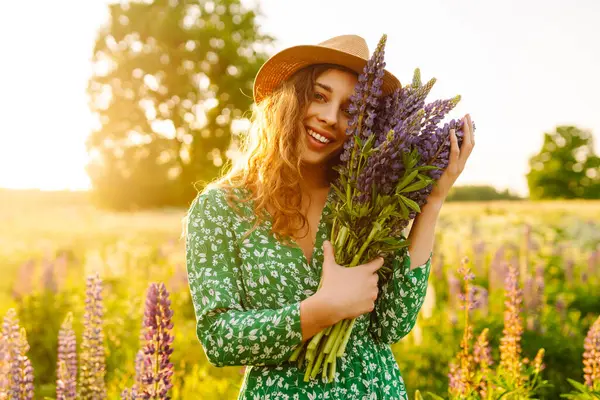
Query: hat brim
(284, 64)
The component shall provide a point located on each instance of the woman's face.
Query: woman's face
(327, 116)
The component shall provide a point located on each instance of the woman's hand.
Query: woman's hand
(348, 292)
(345, 293)
(458, 159)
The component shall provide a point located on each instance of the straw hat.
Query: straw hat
(350, 51)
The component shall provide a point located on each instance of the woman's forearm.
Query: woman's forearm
(422, 232)
(315, 316)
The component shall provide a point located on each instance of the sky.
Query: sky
(521, 67)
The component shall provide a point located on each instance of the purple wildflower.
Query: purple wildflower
(48, 277)
(8, 347)
(591, 357)
(24, 284)
(21, 371)
(510, 346)
(482, 355)
(4, 365)
(365, 100)
(92, 361)
(158, 348)
(66, 386)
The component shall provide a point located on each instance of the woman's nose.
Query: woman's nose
(328, 116)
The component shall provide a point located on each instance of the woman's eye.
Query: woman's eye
(319, 96)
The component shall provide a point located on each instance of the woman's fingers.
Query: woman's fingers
(467, 144)
(454, 152)
(471, 129)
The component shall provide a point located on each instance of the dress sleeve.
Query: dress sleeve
(230, 333)
(400, 299)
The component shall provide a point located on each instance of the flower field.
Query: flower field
(90, 299)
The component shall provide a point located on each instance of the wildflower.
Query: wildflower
(21, 371)
(8, 348)
(482, 355)
(92, 361)
(66, 385)
(158, 348)
(538, 365)
(462, 370)
(510, 347)
(591, 357)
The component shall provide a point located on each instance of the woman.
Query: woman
(257, 240)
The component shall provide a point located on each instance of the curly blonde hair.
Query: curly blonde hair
(269, 164)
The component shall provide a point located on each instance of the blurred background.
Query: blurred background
(110, 111)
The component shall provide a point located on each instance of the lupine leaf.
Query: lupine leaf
(410, 203)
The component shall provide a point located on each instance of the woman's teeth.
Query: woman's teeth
(320, 138)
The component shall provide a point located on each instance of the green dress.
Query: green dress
(247, 298)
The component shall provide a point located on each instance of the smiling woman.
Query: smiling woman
(257, 241)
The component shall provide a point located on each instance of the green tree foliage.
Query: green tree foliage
(566, 166)
(479, 193)
(170, 77)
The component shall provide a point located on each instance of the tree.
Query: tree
(566, 166)
(170, 77)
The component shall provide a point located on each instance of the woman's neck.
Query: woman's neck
(314, 179)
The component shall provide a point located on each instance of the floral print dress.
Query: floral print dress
(247, 296)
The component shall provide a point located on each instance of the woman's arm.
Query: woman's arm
(400, 299)
(230, 333)
(422, 232)
(315, 316)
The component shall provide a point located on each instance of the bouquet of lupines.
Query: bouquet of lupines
(395, 153)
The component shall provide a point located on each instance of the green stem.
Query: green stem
(332, 370)
(297, 352)
(376, 228)
(342, 348)
(302, 357)
(332, 355)
(314, 342)
(332, 338)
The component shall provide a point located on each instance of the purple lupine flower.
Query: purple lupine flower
(141, 369)
(10, 339)
(48, 278)
(480, 299)
(92, 359)
(401, 118)
(434, 150)
(539, 287)
(156, 378)
(591, 356)
(510, 346)
(365, 100)
(21, 372)
(4, 366)
(66, 386)
(24, 284)
(482, 355)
